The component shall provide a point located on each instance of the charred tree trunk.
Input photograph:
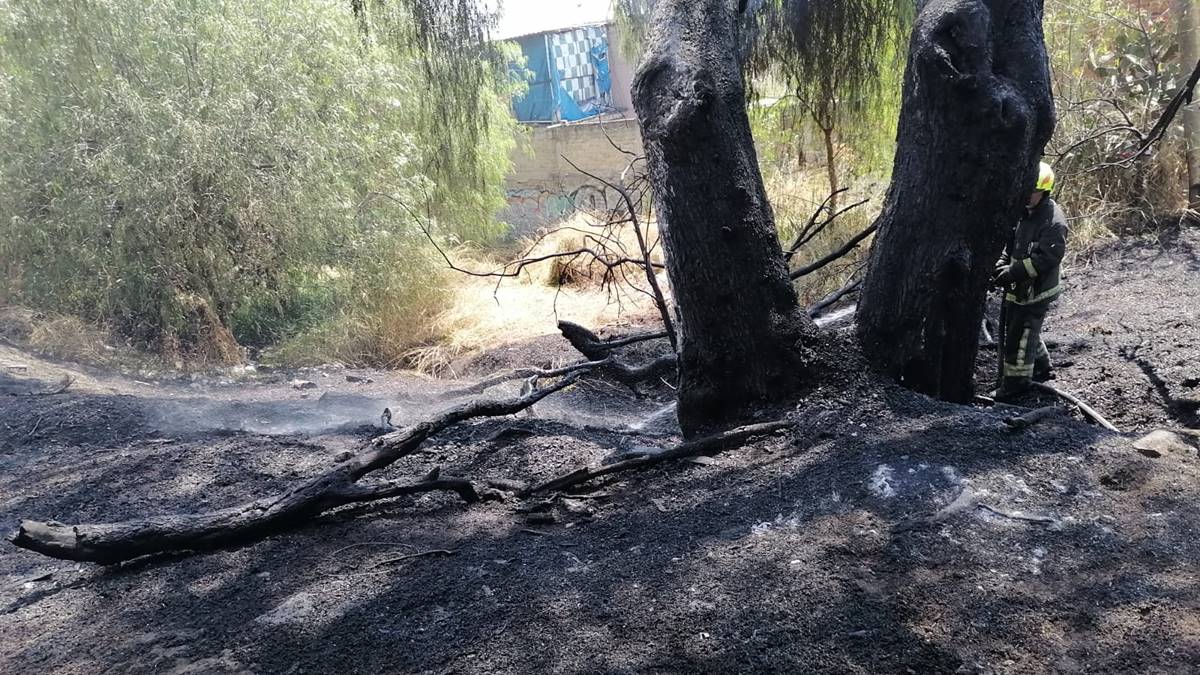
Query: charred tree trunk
(741, 326)
(975, 117)
(1189, 54)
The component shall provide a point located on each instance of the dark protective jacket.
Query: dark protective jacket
(1036, 251)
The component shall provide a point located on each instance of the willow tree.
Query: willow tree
(838, 61)
(186, 172)
(467, 113)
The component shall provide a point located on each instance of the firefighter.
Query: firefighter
(1029, 272)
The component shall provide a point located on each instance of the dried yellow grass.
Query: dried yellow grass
(795, 196)
(483, 315)
(68, 338)
(579, 232)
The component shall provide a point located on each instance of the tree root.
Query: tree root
(112, 543)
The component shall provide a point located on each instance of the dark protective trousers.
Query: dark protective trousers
(1024, 352)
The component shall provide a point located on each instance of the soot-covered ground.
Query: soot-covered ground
(884, 532)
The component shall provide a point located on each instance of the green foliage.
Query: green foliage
(1115, 65)
(465, 125)
(827, 51)
(835, 66)
(195, 171)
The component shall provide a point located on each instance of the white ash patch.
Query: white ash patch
(295, 609)
(882, 482)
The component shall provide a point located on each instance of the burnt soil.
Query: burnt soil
(885, 532)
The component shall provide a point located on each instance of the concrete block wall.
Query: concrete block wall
(544, 187)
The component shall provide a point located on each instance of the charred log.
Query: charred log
(708, 445)
(111, 543)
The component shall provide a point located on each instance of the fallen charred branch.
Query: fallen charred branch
(530, 375)
(1085, 408)
(591, 346)
(832, 299)
(111, 543)
(1029, 419)
(709, 445)
(1015, 515)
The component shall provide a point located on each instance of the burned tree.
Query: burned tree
(742, 331)
(975, 117)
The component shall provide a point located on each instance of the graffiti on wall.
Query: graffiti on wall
(533, 207)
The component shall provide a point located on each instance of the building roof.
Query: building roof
(519, 18)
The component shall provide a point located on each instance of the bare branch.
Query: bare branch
(651, 277)
(812, 222)
(1181, 97)
(846, 248)
(1087, 409)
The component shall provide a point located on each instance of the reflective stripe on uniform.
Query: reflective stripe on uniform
(1018, 371)
(1044, 295)
(1023, 367)
(1028, 262)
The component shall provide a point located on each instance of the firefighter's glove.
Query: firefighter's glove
(1002, 277)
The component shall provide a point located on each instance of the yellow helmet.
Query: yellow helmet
(1045, 181)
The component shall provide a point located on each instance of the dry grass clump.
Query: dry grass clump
(585, 232)
(482, 316)
(380, 329)
(68, 338)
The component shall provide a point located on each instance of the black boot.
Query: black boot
(1011, 389)
(1042, 370)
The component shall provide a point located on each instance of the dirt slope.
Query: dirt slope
(885, 533)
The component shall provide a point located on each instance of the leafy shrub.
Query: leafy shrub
(202, 175)
(1115, 66)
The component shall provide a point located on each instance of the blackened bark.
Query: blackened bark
(975, 117)
(1188, 12)
(741, 327)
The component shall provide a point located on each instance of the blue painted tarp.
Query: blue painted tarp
(568, 75)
